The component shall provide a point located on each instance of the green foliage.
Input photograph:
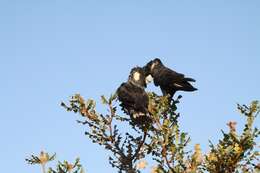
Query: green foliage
(41, 159)
(103, 130)
(167, 142)
(163, 140)
(236, 153)
(64, 167)
(67, 167)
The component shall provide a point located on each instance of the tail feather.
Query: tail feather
(185, 86)
(189, 79)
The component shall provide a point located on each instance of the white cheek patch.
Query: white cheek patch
(136, 76)
(148, 79)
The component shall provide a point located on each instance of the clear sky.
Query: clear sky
(50, 50)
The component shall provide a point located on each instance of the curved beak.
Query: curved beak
(148, 79)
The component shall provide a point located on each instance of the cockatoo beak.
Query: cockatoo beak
(148, 79)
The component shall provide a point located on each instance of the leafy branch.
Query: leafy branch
(163, 141)
(64, 167)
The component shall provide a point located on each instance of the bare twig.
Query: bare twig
(139, 146)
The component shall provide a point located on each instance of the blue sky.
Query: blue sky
(50, 50)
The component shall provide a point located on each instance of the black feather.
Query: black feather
(169, 80)
(134, 100)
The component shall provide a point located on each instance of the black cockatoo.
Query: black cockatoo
(169, 81)
(134, 100)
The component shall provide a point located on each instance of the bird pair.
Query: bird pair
(134, 100)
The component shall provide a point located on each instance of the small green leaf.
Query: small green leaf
(104, 100)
